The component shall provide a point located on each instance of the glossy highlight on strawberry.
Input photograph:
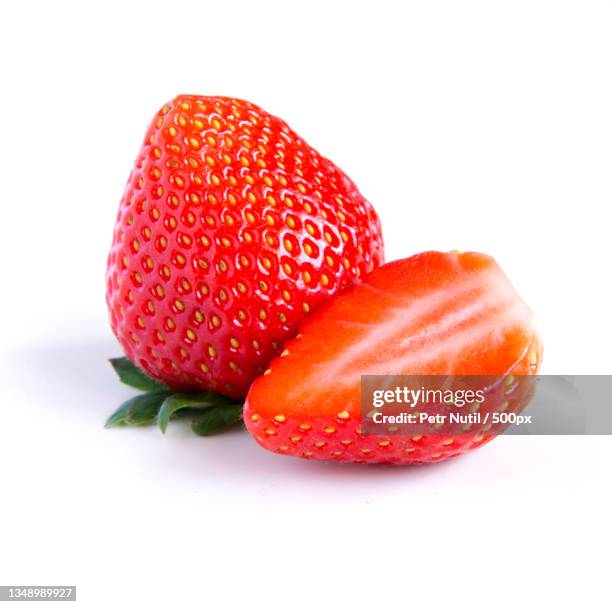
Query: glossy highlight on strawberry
(431, 314)
(231, 230)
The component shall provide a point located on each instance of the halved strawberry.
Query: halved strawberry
(432, 314)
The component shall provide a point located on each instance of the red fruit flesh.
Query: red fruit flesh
(231, 229)
(431, 314)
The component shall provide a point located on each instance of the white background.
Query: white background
(469, 125)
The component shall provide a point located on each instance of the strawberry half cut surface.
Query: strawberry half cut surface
(431, 314)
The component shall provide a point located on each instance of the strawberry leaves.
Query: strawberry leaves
(210, 412)
(132, 376)
(138, 411)
(215, 419)
(179, 401)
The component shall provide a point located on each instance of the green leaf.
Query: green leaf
(216, 418)
(132, 376)
(119, 417)
(179, 401)
(138, 411)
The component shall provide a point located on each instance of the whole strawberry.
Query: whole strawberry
(231, 229)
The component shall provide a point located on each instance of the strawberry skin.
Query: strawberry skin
(431, 314)
(230, 231)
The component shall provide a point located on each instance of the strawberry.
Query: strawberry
(230, 231)
(431, 314)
